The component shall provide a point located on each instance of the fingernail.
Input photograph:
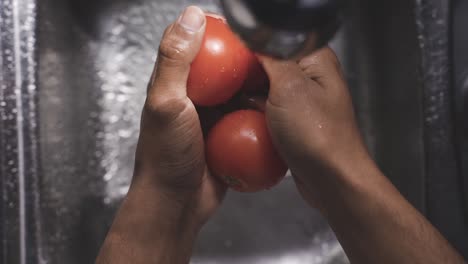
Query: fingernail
(192, 19)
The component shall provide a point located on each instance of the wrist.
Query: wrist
(150, 225)
(178, 205)
(194, 197)
(323, 182)
(169, 179)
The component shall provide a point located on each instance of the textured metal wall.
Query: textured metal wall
(460, 82)
(70, 105)
(443, 177)
(18, 132)
(381, 59)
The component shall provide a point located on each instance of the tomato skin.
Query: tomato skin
(257, 80)
(221, 66)
(240, 152)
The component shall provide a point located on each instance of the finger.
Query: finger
(214, 191)
(287, 80)
(153, 74)
(179, 47)
(255, 102)
(280, 71)
(322, 66)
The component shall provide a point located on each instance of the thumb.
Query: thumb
(179, 47)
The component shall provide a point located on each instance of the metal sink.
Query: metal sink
(94, 59)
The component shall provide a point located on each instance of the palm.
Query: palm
(212, 191)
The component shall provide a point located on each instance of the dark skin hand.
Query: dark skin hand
(311, 120)
(172, 192)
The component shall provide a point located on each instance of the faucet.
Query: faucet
(284, 29)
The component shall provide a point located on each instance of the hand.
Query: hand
(172, 192)
(311, 119)
(312, 124)
(170, 155)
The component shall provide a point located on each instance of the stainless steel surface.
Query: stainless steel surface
(95, 58)
(18, 132)
(382, 59)
(441, 61)
(460, 79)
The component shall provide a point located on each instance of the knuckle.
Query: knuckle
(173, 50)
(292, 84)
(164, 108)
(324, 65)
(168, 29)
(331, 57)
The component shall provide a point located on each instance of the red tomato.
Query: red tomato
(257, 79)
(240, 151)
(221, 66)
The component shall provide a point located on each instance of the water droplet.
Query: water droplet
(108, 176)
(124, 133)
(121, 98)
(114, 118)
